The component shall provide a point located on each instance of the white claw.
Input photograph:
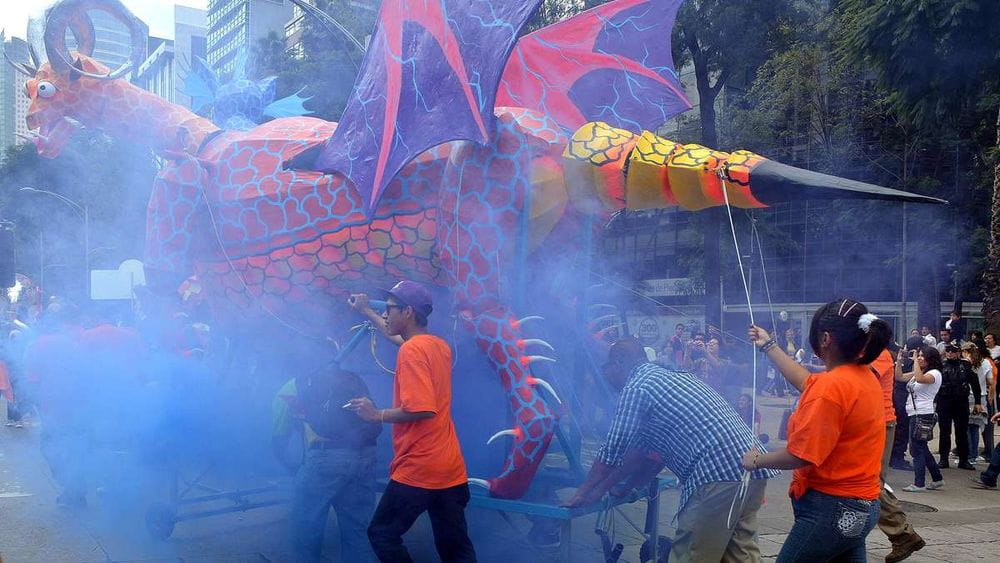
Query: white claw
(602, 306)
(529, 318)
(508, 432)
(547, 387)
(481, 482)
(537, 342)
(604, 318)
(533, 359)
(609, 327)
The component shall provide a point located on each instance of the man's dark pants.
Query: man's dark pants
(901, 437)
(953, 410)
(398, 510)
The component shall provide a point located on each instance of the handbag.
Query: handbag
(923, 427)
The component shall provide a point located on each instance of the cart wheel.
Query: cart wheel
(160, 520)
(662, 550)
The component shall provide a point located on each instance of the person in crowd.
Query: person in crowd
(900, 398)
(922, 383)
(749, 414)
(835, 436)
(944, 339)
(681, 423)
(891, 518)
(956, 324)
(925, 331)
(673, 352)
(988, 478)
(427, 473)
(992, 346)
(978, 421)
(695, 350)
(338, 462)
(957, 380)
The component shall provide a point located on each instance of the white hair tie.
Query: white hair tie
(865, 321)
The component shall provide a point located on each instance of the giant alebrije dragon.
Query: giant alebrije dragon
(428, 173)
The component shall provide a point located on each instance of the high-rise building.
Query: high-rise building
(235, 26)
(13, 99)
(168, 62)
(112, 45)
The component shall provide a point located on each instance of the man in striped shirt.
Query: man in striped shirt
(671, 419)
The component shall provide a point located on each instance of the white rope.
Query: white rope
(741, 493)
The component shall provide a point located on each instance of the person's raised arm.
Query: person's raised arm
(359, 302)
(785, 364)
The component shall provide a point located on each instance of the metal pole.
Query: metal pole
(86, 248)
(905, 261)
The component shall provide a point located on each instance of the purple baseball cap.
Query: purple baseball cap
(413, 294)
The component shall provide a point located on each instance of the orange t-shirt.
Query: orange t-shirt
(839, 428)
(886, 369)
(427, 454)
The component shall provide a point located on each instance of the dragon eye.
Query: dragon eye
(46, 89)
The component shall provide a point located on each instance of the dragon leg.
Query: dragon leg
(497, 334)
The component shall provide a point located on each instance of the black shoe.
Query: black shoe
(966, 465)
(943, 464)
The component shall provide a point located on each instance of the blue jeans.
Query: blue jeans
(990, 475)
(922, 457)
(345, 480)
(829, 528)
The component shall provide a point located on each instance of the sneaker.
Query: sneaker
(904, 546)
(978, 483)
(9, 423)
(914, 489)
(18, 425)
(979, 459)
(935, 485)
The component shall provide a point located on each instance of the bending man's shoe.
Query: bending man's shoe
(903, 546)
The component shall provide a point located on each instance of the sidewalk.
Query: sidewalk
(959, 523)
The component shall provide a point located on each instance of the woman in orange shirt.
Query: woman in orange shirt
(835, 436)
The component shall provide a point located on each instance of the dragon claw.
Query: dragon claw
(525, 342)
(481, 482)
(546, 385)
(518, 322)
(528, 360)
(515, 432)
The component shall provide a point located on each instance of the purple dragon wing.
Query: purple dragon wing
(430, 76)
(611, 63)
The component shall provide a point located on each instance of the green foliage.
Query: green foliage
(932, 57)
(327, 65)
(112, 178)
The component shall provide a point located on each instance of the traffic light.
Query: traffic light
(6, 255)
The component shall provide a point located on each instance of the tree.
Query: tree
(326, 66)
(725, 41)
(940, 59)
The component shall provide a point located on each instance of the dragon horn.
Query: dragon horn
(481, 482)
(516, 433)
(545, 384)
(525, 342)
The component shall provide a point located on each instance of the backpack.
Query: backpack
(322, 395)
(955, 379)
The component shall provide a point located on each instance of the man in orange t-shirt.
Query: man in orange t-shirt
(427, 472)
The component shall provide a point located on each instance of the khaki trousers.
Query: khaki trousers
(702, 530)
(891, 518)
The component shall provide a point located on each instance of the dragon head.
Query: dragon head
(72, 88)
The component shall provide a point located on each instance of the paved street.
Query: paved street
(959, 523)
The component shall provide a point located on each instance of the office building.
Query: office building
(236, 26)
(13, 99)
(168, 61)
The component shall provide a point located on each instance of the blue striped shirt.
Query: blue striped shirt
(699, 435)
